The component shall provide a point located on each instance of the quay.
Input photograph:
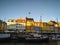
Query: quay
(24, 36)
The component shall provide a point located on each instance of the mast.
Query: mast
(58, 24)
(40, 23)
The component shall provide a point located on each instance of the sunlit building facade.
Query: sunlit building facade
(29, 25)
(11, 21)
(16, 25)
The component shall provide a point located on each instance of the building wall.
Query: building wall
(37, 29)
(0, 25)
(31, 26)
(11, 27)
(45, 26)
(16, 27)
(11, 21)
(3, 26)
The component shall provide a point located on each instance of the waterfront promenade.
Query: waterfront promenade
(30, 36)
(15, 37)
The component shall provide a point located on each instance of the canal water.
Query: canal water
(31, 43)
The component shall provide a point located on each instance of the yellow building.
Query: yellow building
(45, 27)
(54, 26)
(29, 25)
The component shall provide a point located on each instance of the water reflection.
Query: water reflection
(30, 43)
(36, 44)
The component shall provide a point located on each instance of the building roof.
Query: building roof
(29, 19)
(20, 20)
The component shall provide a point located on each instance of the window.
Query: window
(52, 28)
(12, 20)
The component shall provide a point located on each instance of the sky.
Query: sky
(14, 9)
